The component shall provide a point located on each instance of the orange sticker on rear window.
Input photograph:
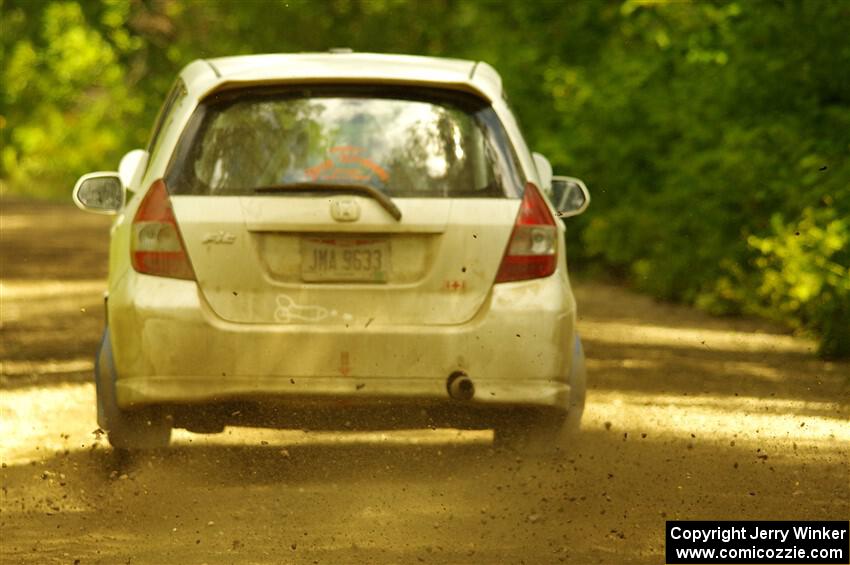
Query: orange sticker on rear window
(347, 163)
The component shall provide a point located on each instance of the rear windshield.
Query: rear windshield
(404, 143)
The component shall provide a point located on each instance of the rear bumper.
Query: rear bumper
(170, 348)
(351, 390)
(328, 404)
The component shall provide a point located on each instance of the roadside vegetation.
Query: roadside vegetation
(713, 135)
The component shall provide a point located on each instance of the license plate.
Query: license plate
(345, 259)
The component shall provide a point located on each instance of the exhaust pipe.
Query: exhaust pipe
(460, 386)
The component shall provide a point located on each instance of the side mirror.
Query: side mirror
(570, 196)
(132, 166)
(102, 193)
(544, 171)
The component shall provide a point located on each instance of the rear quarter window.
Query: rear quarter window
(175, 96)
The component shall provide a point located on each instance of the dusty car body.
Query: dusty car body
(337, 240)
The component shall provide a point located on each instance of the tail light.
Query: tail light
(156, 247)
(532, 249)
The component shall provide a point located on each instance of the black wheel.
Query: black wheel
(541, 432)
(143, 429)
(532, 433)
(578, 390)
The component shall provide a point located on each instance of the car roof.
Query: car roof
(205, 76)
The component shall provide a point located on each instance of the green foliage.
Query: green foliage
(61, 80)
(805, 275)
(710, 133)
(699, 125)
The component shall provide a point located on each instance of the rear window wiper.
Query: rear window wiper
(364, 189)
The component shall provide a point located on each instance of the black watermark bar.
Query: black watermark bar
(757, 542)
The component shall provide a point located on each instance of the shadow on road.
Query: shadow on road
(789, 376)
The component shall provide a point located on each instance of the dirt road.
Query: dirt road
(688, 417)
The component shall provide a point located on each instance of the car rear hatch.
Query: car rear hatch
(345, 205)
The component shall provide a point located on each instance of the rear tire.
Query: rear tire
(535, 434)
(578, 389)
(548, 432)
(142, 429)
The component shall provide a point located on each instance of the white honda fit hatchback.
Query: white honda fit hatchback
(337, 240)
